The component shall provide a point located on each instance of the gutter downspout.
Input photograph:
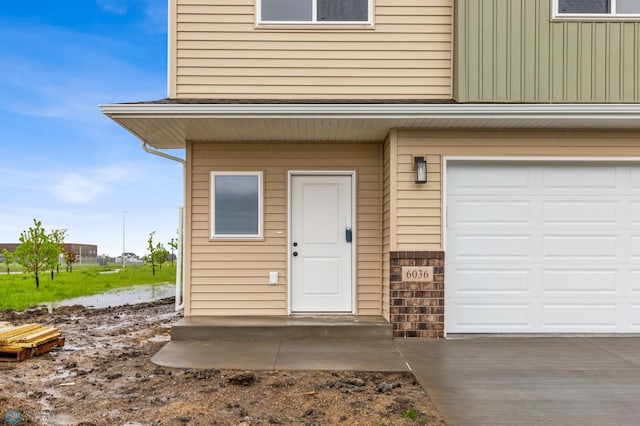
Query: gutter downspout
(179, 269)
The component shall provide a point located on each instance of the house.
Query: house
(453, 166)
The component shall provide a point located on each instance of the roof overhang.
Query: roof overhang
(165, 125)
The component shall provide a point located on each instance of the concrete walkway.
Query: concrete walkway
(283, 354)
(526, 381)
(472, 381)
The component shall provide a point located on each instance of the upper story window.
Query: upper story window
(597, 8)
(315, 11)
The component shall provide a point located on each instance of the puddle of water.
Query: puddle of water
(121, 296)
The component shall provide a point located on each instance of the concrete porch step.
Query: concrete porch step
(282, 327)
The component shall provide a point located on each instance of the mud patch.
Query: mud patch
(104, 376)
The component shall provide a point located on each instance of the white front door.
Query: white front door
(321, 255)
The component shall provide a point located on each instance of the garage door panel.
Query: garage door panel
(561, 255)
(634, 247)
(515, 281)
(482, 211)
(634, 316)
(634, 178)
(486, 316)
(580, 316)
(573, 282)
(492, 246)
(575, 246)
(482, 178)
(635, 212)
(579, 178)
(634, 281)
(580, 213)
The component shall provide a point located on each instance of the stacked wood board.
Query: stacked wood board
(18, 343)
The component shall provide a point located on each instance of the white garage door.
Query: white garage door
(542, 248)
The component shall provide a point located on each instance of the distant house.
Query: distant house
(129, 258)
(345, 157)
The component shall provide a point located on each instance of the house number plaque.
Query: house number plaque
(417, 273)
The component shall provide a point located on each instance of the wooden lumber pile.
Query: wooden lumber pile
(18, 343)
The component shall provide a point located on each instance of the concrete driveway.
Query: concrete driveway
(530, 380)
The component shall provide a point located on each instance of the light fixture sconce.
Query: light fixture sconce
(420, 168)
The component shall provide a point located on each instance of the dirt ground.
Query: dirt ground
(104, 376)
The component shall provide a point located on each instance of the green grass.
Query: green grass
(413, 415)
(18, 291)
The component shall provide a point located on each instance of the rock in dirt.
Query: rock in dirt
(245, 378)
(384, 387)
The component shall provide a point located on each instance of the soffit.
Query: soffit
(165, 126)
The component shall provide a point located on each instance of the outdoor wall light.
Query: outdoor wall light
(420, 168)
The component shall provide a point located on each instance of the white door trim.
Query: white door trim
(354, 227)
(508, 159)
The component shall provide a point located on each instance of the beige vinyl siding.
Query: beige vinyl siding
(231, 277)
(512, 51)
(419, 213)
(220, 53)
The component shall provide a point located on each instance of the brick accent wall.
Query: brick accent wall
(417, 308)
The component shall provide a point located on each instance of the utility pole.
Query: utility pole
(124, 262)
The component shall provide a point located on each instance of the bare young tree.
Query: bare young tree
(173, 244)
(152, 251)
(36, 251)
(8, 258)
(162, 255)
(70, 257)
(57, 238)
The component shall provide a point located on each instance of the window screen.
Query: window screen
(583, 6)
(286, 10)
(628, 6)
(341, 10)
(236, 205)
(314, 10)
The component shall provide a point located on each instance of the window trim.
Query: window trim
(593, 16)
(212, 205)
(314, 22)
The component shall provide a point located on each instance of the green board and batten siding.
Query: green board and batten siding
(513, 51)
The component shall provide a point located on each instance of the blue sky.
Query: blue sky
(61, 160)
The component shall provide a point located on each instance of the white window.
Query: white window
(236, 205)
(616, 9)
(315, 11)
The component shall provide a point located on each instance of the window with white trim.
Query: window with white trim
(236, 205)
(315, 11)
(598, 8)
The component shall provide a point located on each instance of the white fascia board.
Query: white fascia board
(363, 111)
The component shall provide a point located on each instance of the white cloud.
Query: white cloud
(118, 7)
(37, 91)
(86, 187)
(67, 73)
(18, 179)
(156, 14)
